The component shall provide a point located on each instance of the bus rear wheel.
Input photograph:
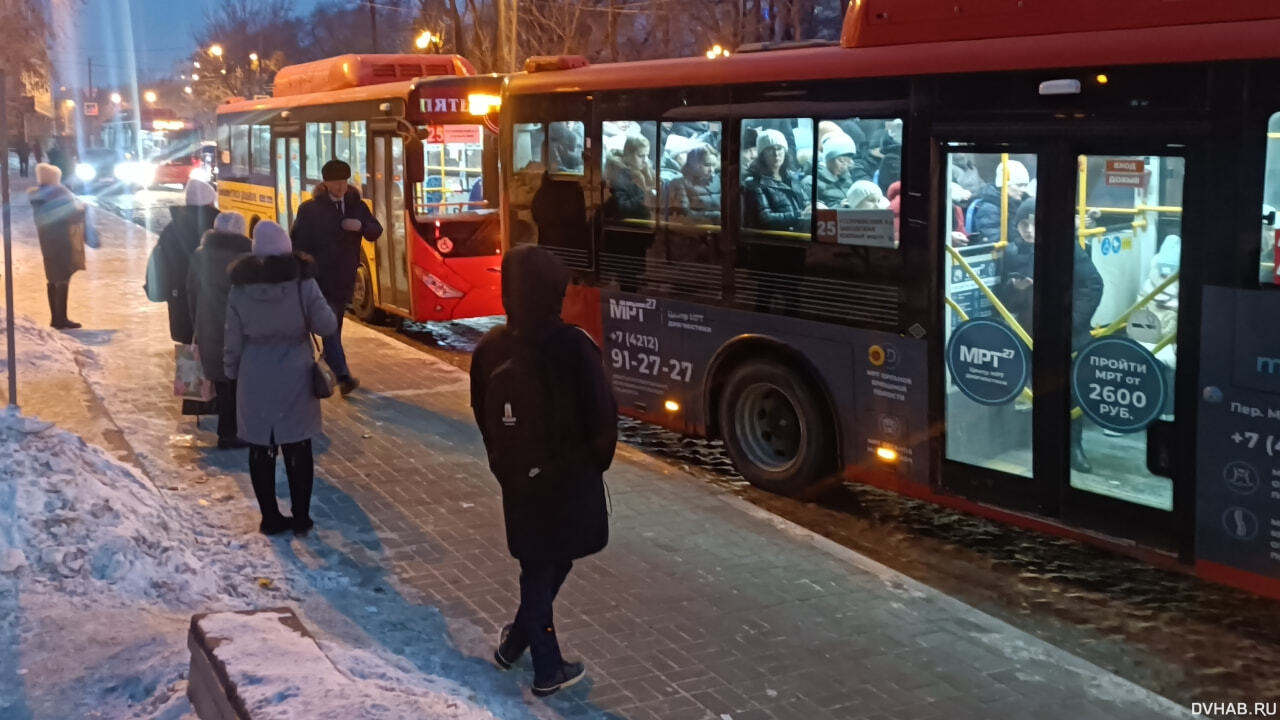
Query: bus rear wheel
(774, 427)
(362, 303)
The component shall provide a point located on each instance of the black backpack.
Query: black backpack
(522, 414)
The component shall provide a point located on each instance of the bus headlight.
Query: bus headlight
(86, 172)
(440, 287)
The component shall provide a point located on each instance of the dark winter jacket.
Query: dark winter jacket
(563, 517)
(772, 204)
(1018, 261)
(890, 170)
(630, 190)
(832, 189)
(60, 227)
(272, 310)
(1086, 296)
(560, 212)
(169, 263)
(208, 285)
(691, 202)
(986, 217)
(318, 232)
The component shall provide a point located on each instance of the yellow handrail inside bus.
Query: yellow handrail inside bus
(964, 317)
(1004, 203)
(991, 297)
(1082, 222)
(1171, 209)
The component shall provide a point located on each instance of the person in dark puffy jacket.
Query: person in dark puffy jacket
(631, 180)
(208, 285)
(985, 208)
(331, 227)
(1017, 266)
(171, 257)
(771, 195)
(562, 517)
(694, 197)
(57, 214)
(836, 172)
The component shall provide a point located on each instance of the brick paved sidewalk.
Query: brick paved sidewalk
(701, 607)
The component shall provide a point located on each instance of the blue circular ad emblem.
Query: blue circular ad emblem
(988, 362)
(1119, 384)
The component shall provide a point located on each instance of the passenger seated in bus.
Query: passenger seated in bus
(629, 174)
(865, 195)
(675, 152)
(694, 198)
(835, 174)
(1017, 266)
(982, 220)
(771, 196)
(566, 149)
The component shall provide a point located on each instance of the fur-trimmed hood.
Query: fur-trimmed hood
(217, 241)
(272, 269)
(321, 192)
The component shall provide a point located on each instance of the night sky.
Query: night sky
(131, 38)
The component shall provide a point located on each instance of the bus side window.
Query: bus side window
(359, 154)
(224, 147)
(240, 151)
(528, 146)
(260, 149)
(1267, 273)
(691, 188)
(778, 178)
(565, 142)
(314, 155)
(630, 177)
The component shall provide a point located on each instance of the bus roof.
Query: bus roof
(348, 71)
(1236, 40)
(398, 89)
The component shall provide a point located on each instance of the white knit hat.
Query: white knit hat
(836, 145)
(271, 239)
(1018, 174)
(230, 222)
(771, 138)
(47, 174)
(200, 192)
(862, 191)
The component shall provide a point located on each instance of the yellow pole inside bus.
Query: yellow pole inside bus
(1082, 165)
(1004, 201)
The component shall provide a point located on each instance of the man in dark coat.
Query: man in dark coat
(561, 516)
(330, 227)
(208, 286)
(171, 258)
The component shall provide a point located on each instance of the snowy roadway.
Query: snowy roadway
(702, 607)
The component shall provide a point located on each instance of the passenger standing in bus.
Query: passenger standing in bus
(631, 179)
(549, 423)
(1017, 266)
(331, 228)
(772, 199)
(694, 197)
(207, 288)
(273, 309)
(835, 173)
(983, 216)
(171, 258)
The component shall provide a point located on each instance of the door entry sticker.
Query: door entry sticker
(1119, 384)
(988, 362)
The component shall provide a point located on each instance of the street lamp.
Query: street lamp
(116, 99)
(215, 50)
(196, 63)
(426, 39)
(187, 90)
(717, 51)
(150, 97)
(253, 57)
(194, 77)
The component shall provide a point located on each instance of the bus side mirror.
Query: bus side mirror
(414, 161)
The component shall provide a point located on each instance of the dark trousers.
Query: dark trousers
(540, 582)
(333, 352)
(226, 402)
(299, 467)
(23, 164)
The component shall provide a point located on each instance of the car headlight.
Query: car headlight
(201, 173)
(142, 174)
(86, 172)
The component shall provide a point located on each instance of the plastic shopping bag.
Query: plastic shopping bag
(189, 382)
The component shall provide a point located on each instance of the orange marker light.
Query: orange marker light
(672, 406)
(1102, 79)
(887, 454)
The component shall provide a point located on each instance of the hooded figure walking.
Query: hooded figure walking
(330, 227)
(208, 286)
(61, 228)
(549, 423)
(167, 268)
(273, 309)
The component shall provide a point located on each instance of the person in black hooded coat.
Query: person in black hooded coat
(171, 258)
(562, 517)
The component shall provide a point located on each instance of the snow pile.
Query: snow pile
(40, 350)
(84, 522)
(279, 673)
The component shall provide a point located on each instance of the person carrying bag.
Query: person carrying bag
(273, 309)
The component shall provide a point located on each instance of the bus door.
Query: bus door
(1062, 263)
(391, 253)
(287, 170)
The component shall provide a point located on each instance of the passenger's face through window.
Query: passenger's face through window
(772, 158)
(840, 165)
(1027, 227)
(1017, 190)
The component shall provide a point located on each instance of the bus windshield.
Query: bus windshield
(454, 172)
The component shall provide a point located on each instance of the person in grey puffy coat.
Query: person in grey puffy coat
(208, 285)
(273, 309)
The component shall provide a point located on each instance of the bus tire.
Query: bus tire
(774, 426)
(362, 303)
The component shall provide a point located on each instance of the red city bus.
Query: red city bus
(157, 146)
(894, 258)
(405, 125)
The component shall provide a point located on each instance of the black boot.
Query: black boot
(1079, 461)
(299, 466)
(61, 322)
(55, 319)
(262, 472)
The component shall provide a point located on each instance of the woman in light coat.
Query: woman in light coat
(274, 308)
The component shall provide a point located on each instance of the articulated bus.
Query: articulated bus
(421, 128)
(1018, 261)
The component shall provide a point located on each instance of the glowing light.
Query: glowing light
(671, 406)
(69, 103)
(150, 96)
(1102, 79)
(426, 39)
(187, 90)
(253, 57)
(194, 77)
(168, 124)
(197, 64)
(116, 99)
(215, 50)
(887, 454)
(483, 104)
(717, 51)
